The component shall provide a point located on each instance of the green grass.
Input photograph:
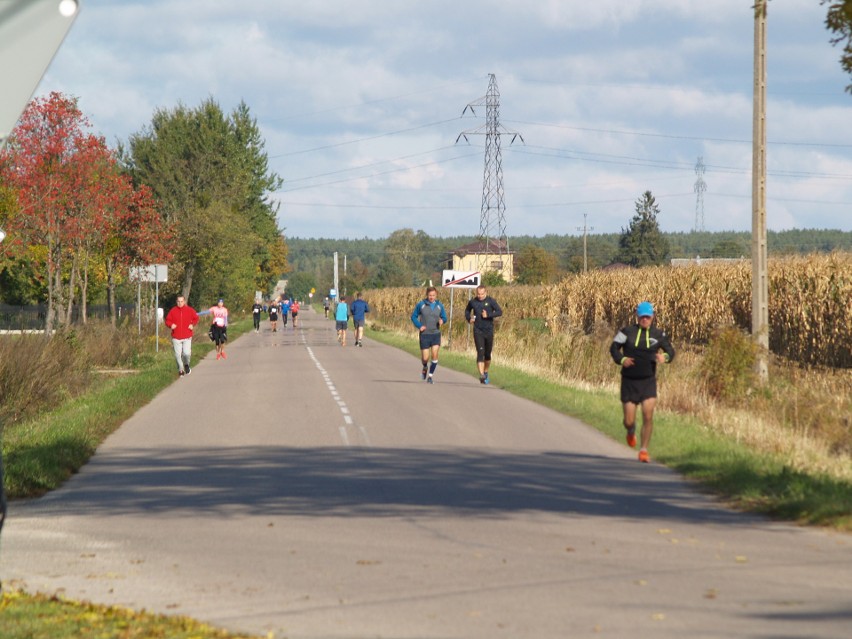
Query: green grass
(745, 479)
(24, 616)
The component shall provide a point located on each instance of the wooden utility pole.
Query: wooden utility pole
(759, 276)
(585, 228)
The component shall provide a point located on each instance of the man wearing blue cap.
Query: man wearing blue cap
(637, 349)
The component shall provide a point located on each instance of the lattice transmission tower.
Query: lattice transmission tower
(700, 188)
(492, 236)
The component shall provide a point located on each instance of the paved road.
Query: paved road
(325, 492)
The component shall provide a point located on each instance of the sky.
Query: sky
(361, 104)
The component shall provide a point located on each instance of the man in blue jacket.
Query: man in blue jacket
(358, 310)
(428, 316)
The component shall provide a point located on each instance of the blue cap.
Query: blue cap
(645, 309)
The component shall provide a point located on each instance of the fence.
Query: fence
(32, 318)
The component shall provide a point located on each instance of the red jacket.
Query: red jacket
(183, 318)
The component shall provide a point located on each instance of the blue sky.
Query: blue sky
(360, 103)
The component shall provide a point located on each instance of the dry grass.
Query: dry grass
(38, 373)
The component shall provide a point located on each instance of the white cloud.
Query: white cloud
(613, 98)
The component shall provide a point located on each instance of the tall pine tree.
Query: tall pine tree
(642, 243)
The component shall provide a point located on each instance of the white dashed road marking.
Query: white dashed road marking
(344, 409)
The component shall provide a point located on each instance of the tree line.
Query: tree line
(190, 190)
(412, 258)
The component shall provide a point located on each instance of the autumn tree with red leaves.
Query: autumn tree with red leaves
(75, 207)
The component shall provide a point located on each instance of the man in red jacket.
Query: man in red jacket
(182, 319)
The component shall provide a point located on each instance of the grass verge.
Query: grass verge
(748, 480)
(25, 616)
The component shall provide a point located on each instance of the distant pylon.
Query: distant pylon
(492, 218)
(700, 188)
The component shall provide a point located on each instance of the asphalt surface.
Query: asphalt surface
(316, 491)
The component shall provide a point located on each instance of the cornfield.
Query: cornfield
(810, 304)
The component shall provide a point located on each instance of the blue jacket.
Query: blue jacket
(426, 314)
(358, 309)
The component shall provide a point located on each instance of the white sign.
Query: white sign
(150, 273)
(461, 279)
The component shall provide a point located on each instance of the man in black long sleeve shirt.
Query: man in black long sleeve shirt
(480, 312)
(637, 349)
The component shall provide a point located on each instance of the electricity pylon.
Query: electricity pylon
(492, 219)
(700, 188)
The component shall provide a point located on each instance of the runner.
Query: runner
(182, 320)
(341, 316)
(219, 328)
(285, 311)
(636, 349)
(256, 310)
(358, 311)
(294, 311)
(273, 317)
(428, 316)
(480, 312)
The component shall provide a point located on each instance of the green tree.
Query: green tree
(300, 284)
(407, 259)
(727, 248)
(642, 243)
(839, 21)
(492, 278)
(210, 172)
(536, 265)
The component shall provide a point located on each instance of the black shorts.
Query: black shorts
(484, 342)
(342, 325)
(428, 340)
(635, 391)
(219, 334)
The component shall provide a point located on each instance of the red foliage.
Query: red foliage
(73, 199)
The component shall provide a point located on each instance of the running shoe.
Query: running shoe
(644, 457)
(187, 369)
(218, 355)
(429, 380)
(423, 373)
(631, 437)
(180, 374)
(487, 380)
(482, 379)
(224, 356)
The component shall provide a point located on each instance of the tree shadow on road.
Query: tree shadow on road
(379, 482)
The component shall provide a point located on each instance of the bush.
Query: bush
(729, 364)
